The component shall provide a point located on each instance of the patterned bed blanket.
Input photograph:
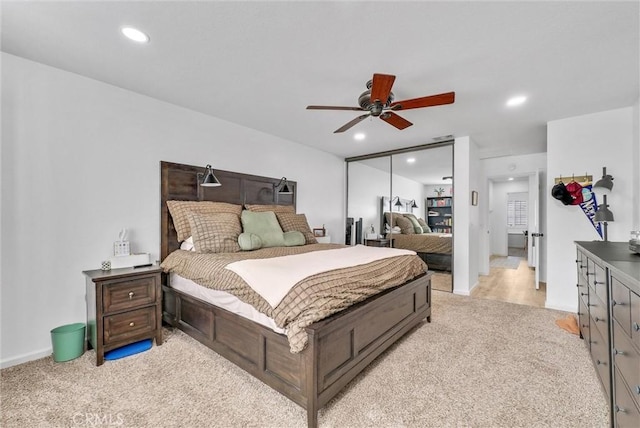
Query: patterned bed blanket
(311, 299)
(424, 243)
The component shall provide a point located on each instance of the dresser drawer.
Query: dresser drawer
(599, 317)
(581, 264)
(635, 319)
(597, 279)
(621, 304)
(626, 359)
(129, 293)
(600, 357)
(584, 321)
(626, 412)
(126, 325)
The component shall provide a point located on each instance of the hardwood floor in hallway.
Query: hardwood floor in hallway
(511, 285)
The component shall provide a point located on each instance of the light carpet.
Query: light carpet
(479, 363)
(505, 262)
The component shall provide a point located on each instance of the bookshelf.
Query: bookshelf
(439, 214)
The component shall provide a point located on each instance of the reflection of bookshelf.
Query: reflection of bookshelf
(439, 214)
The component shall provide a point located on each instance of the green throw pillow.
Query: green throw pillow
(249, 242)
(414, 221)
(294, 238)
(265, 225)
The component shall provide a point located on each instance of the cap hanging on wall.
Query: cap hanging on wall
(209, 179)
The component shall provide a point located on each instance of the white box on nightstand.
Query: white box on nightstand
(323, 239)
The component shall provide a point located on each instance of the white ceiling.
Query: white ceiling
(259, 64)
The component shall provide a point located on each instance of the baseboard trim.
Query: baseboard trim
(25, 358)
(562, 308)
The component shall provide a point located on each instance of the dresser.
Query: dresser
(123, 306)
(608, 283)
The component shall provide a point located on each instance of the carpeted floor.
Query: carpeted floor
(479, 363)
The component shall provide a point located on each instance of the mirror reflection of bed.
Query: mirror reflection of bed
(412, 177)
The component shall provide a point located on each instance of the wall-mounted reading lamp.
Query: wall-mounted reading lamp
(209, 179)
(413, 204)
(398, 203)
(283, 187)
(604, 214)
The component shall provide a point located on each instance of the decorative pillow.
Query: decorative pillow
(414, 221)
(296, 222)
(249, 241)
(405, 225)
(273, 208)
(387, 217)
(265, 225)
(294, 239)
(179, 210)
(425, 226)
(217, 233)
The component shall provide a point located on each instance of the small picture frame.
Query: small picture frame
(474, 198)
(319, 233)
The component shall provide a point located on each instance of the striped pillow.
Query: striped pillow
(216, 233)
(179, 210)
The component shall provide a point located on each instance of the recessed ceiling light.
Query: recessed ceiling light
(510, 178)
(411, 160)
(135, 34)
(359, 136)
(516, 101)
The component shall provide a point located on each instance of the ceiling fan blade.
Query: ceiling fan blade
(333, 108)
(393, 119)
(430, 101)
(352, 123)
(381, 87)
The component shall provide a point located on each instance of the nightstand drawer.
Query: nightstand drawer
(129, 324)
(129, 293)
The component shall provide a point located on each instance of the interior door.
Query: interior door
(535, 232)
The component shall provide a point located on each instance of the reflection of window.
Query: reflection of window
(516, 213)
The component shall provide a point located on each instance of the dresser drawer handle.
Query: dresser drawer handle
(131, 324)
(596, 319)
(620, 410)
(585, 325)
(636, 326)
(590, 273)
(638, 389)
(131, 295)
(598, 362)
(617, 352)
(584, 294)
(597, 282)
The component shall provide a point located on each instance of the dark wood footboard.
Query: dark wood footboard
(339, 347)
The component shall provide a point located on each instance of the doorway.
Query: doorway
(512, 216)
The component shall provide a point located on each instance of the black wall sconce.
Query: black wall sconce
(209, 179)
(283, 187)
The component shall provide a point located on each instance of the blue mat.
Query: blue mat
(131, 349)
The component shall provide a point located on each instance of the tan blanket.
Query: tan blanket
(424, 243)
(310, 300)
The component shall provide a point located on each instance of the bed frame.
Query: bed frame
(435, 261)
(339, 347)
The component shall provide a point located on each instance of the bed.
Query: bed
(434, 248)
(337, 347)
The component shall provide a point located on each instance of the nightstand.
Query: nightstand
(382, 242)
(123, 306)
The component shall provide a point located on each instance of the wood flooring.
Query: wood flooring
(511, 285)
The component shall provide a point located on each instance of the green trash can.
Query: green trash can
(68, 341)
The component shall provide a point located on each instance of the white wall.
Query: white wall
(466, 218)
(574, 146)
(635, 199)
(430, 190)
(80, 160)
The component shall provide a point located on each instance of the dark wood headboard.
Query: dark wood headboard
(181, 182)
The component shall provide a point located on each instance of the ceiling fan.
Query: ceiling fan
(377, 100)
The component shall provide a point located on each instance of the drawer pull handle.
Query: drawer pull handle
(638, 389)
(590, 273)
(131, 324)
(617, 352)
(636, 326)
(130, 295)
(596, 319)
(584, 294)
(585, 325)
(620, 410)
(597, 282)
(598, 362)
